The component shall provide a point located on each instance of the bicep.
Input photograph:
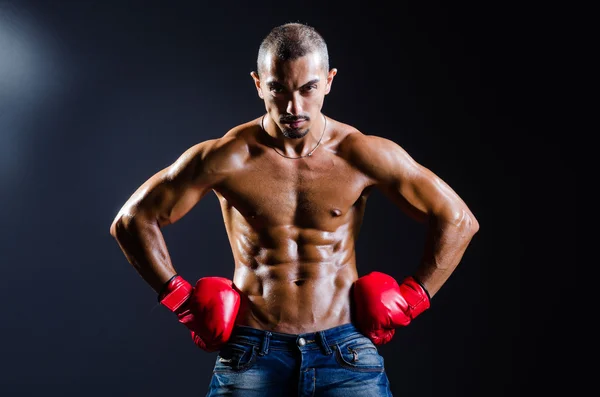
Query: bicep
(172, 192)
(413, 187)
(421, 193)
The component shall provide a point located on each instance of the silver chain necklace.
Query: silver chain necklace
(262, 125)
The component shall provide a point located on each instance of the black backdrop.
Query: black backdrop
(95, 96)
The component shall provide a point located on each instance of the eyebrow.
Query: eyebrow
(313, 81)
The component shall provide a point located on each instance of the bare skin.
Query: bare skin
(293, 223)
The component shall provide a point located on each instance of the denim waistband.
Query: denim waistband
(266, 340)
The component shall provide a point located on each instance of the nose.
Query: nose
(294, 106)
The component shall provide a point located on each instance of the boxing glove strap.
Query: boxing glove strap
(416, 296)
(175, 292)
(423, 287)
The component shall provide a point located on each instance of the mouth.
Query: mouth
(295, 124)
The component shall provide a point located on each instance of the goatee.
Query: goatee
(294, 134)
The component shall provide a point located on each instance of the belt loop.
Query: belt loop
(264, 349)
(323, 342)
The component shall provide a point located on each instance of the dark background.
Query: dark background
(96, 96)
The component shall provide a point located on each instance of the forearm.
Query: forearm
(144, 246)
(445, 244)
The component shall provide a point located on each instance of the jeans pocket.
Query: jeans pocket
(359, 354)
(235, 357)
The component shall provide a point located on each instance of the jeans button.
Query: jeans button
(301, 342)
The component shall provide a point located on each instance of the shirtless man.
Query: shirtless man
(293, 184)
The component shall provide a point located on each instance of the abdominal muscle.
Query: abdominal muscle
(308, 292)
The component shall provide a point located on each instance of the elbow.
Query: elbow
(121, 225)
(464, 221)
(113, 229)
(470, 224)
(474, 225)
(118, 226)
(125, 225)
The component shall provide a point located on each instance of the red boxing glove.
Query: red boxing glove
(382, 304)
(208, 310)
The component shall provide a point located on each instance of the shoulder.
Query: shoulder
(226, 153)
(376, 156)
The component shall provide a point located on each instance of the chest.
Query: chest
(304, 192)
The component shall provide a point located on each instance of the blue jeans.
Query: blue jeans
(336, 362)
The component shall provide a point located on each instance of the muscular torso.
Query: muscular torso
(292, 225)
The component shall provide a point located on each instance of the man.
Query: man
(293, 184)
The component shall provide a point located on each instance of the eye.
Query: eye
(309, 88)
(275, 89)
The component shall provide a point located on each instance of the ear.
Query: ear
(257, 83)
(330, 77)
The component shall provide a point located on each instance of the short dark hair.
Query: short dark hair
(290, 41)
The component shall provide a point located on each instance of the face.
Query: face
(293, 92)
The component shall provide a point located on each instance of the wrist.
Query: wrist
(416, 296)
(174, 293)
(423, 287)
